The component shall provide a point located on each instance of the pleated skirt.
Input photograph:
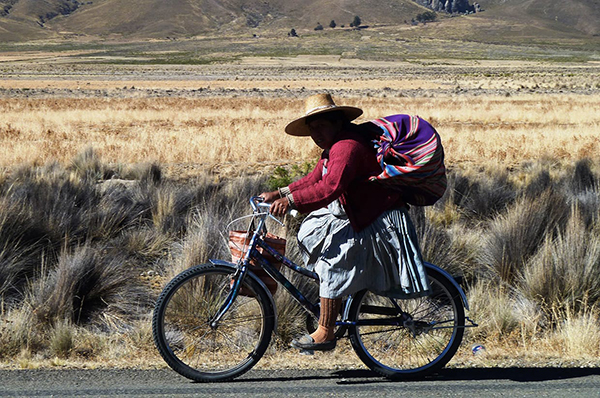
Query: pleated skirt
(384, 257)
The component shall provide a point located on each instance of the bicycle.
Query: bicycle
(213, 322)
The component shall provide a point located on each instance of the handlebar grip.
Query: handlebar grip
(294, 213)
(257, 201)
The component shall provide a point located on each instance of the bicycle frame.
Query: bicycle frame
(253, 254)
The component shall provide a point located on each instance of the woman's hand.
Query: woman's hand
(280, 207)
(270, 197)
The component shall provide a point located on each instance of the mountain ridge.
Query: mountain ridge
(24, 20)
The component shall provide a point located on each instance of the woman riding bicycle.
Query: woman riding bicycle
(358, 234)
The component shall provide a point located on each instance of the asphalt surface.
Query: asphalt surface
(511, 382)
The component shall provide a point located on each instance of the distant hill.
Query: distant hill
(22, 20)
(579, 15)
(27, 19)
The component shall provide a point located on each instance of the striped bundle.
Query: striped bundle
(412, 158)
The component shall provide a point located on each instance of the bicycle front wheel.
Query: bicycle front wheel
(408, 338)
(195, 349)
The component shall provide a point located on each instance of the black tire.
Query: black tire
(184, 338)
(396, 351)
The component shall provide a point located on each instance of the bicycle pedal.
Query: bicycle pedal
(307, 352)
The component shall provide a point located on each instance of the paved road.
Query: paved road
(516, 382)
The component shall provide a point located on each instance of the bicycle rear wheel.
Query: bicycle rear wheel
(183, 334)
(408, 338)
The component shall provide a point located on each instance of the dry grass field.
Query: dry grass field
(246, 132)
(505, 114)
(81, 201)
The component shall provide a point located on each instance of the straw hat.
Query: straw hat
(314, 105)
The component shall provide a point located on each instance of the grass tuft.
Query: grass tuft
(515, 235)
(565, 273)
(88, 283)
(87, 165)
(583, 177)
(578, 333)
(61, 339)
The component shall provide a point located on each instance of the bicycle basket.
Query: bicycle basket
(238, 244)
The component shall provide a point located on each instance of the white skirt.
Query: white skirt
(384, 257)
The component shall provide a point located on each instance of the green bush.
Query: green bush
(282, 177)
(427, 16)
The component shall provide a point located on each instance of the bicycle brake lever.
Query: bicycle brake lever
(293, 212)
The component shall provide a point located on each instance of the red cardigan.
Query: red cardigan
(350, 163)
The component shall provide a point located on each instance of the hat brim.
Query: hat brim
(299, 128)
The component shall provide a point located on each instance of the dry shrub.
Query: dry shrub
(121, 208)
(206, 223)
(143, 246)
(291, 317)
(19, 332)
(139, 338)
(538, 184)
(169, 207)
(91, 285)
(89, 344)
(480, 195)
(583, 177)
(578, 333)
(75, 343)
(516, 235)
(21, 250)
(491, 306)
(61, 339)
(583, 190)
(504, 315)
(199, 245)
(565, 273)
(87, 165)
(86, 245)
(56, 199)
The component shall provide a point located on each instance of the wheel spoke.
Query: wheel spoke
(226, 337)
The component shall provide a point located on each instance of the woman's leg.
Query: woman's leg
(330, 308)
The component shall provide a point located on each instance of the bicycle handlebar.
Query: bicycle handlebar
(257, 202)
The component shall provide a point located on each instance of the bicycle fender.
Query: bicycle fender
(463, 296)
(256, 279)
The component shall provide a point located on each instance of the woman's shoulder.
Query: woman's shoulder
(352, 141)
